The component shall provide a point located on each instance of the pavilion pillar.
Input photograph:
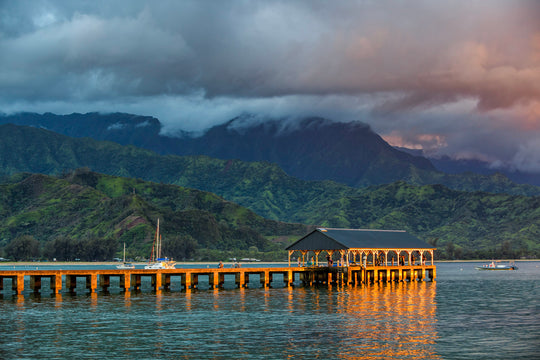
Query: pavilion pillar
(317, 252)
(303, 252)
(290, 252)
(364, 259)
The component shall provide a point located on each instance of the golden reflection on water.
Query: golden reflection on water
(127, 299)
(388, 321)
(216, 298)
(57, 300)
(242, 299)
(93, 300)
(188, 299)
(290, 299)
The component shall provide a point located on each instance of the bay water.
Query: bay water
(464, 314)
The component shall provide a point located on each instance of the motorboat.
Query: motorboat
(156, 261)
(496, 265)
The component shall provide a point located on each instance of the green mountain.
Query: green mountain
(459, 222)
(93, 214)
(309, 149)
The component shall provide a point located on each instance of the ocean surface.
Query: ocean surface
(465, 314)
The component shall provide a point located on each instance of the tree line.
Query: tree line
(63, 248)
(90, 248)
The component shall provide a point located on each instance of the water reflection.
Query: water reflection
(388, 321)
(127, 299)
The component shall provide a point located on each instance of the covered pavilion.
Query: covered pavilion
(370, 247)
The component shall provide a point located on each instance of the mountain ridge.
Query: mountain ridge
(310, 148)
(471, 221)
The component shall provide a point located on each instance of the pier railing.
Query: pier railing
(131, 279)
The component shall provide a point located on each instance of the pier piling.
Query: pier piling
(161, 279)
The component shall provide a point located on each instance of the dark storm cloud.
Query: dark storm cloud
(397, 65)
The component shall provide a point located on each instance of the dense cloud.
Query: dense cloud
(437, 74)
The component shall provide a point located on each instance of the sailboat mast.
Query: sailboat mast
(158, 242)
(159, 255)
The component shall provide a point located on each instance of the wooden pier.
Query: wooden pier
(130, 279)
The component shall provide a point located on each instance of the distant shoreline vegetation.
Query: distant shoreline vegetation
(88, 215)
(27, 249)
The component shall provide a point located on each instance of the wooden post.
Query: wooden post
(156, 281)
(136, 281)
(18, 284)
(213, 280)
(265, 278)
(35, 283)
(166, 281)
(287, 277)
(186, 280)
(71, 283)
(239, 279)
(125, 282)
(221, 279)
(91, 282)
(104, 282)
(56, 283)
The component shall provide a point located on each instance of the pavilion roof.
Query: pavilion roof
(346, 239)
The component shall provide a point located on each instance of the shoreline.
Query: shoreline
(114, 263)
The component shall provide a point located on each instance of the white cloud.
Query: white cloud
(527, 159)
(461, 77)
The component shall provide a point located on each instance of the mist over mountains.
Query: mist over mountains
(310, 149)
(472, 220)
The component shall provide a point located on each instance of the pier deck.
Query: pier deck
(130, 279)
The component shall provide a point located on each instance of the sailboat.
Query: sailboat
(125, 265)
(156, 261)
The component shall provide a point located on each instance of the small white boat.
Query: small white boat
(162, 264)
(156, 261)
(495, 265)
(125, 265)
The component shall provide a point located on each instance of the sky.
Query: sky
(452, 77)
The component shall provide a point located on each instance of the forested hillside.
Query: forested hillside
(461, 224)
(309, 149)
(89, 216)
